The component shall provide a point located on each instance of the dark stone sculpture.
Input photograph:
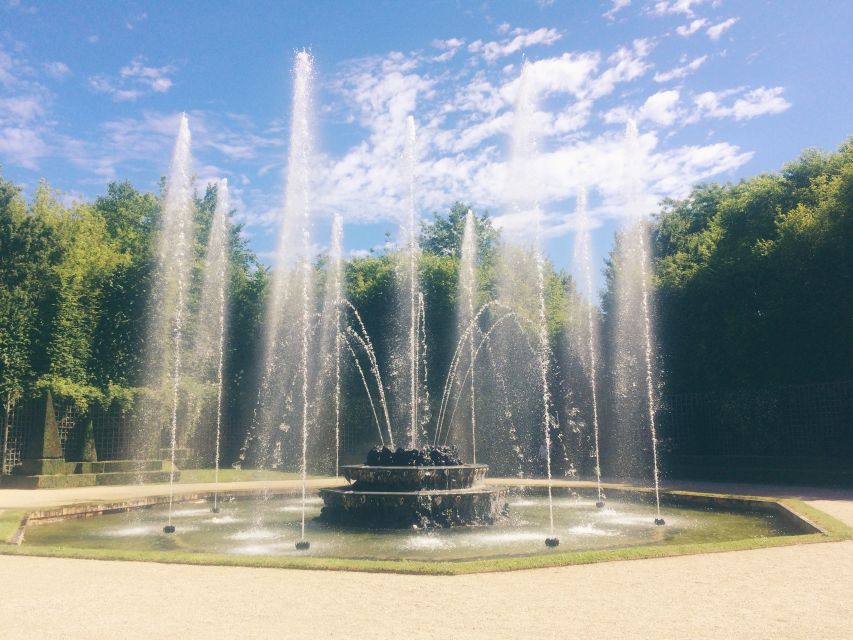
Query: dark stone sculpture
(417, 488)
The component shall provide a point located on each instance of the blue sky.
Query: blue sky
(721, 89)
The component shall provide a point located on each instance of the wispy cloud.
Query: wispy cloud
(667, 7)
(661, 108)
(717, 30)
(687, 30)
(747, 104)
(19, 6)
(615, 8)
(57, 70)
(522, 39)
(135, 80)
(465, 121)
(133, 21)
(681, 71)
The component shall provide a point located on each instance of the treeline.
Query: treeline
(754, 281)
(75, 280)
(753, 289)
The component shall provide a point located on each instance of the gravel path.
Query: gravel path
(803, 591)
(792, 592)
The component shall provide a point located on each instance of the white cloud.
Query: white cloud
(135, 80)
(615, 8)
(749, 104)
(661, 108)
(666, 7)
(626, 64)
(449, 48)
(687, 30)
(717, 30)
(523, 38)
(101, 84)
(23, 146)
(465, 122)
(465, 118)
(7, 77)
(680, 72)
(157, 78)
(21, 109)
(57, 70)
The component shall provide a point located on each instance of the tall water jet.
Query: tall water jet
(169, 299)
(336, 272)
(328, 355)
(583, 259)
(523, 170)
(466, 315)
(635, 336)
(298, 201)
(280, 404)
(408, 351)
(210, 338)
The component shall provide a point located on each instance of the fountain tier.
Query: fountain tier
(397, 497)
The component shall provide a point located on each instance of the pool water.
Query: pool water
(271, 527)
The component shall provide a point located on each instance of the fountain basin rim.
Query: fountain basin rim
(430, 467)
(818, 526)
(347, 490)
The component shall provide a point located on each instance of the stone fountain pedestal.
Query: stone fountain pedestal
(398, 497)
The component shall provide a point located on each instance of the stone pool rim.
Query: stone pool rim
(816, 525)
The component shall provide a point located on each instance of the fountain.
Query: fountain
(465, 312)
(421, 488)
(209, 348)
(408, 356)
(523, 194)
(428, 504)
(583, 257)
(166, 324)
(634, 339)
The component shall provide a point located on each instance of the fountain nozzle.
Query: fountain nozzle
(552, 542)
(660, 522)
(599, 504)
(169, 528)
(214, 510)
(303, 545)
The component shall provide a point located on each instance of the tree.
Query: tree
(442, 236)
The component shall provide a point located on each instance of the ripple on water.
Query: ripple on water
(419, 542)
(291, 508)
(132, 531)
(254, 534)
(257, 549)
(309, 502)
(190, 512)
(591, 530)
(562, 503)
(503, 537)
(629, 519)
(222, 520)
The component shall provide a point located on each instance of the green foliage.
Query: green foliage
(25, 291)
(74, 288)
(754, 279)
(443, 235)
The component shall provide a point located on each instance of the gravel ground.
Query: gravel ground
(791, 592)
(803, 591)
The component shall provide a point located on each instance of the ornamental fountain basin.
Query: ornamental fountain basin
(426, 496)
(263, 525)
